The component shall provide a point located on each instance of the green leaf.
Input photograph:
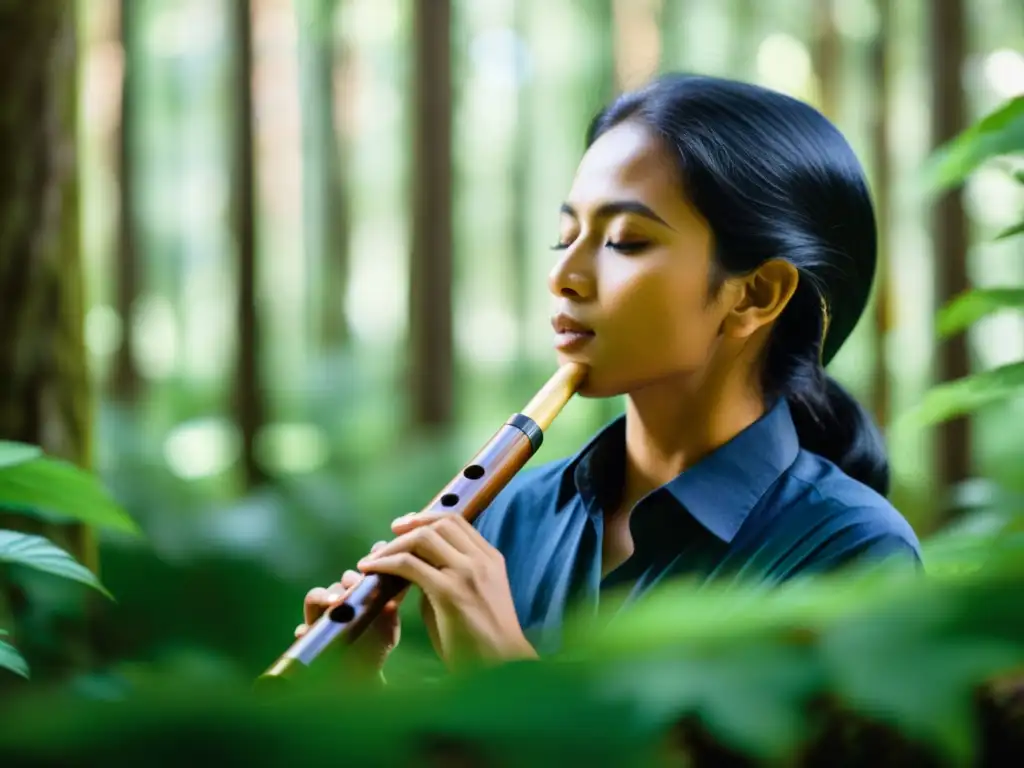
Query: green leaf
(17, 453)
(966, 395)
(917, 662)
(998, 133)
(50, 486)
(970, 306)
(749, 695)
(1013, 231)
(12, 660)
(42, 555)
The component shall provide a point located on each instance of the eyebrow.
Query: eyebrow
(616, 207)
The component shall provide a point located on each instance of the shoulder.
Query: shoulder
(840, 520)
(530, 495)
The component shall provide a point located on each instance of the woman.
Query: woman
(716, 248)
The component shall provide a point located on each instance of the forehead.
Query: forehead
(628, 160)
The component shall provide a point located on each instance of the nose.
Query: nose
(573, 276)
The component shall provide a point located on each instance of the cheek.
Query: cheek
(661, 315)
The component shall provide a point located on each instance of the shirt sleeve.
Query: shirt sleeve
(863, 545)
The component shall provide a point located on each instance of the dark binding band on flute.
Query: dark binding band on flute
(528, 427)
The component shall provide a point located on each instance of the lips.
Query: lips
(563, 323)
(570, 334)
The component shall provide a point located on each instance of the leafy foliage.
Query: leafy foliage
(971, 306)
(11, 660)
(1001, 133)
(58, 490)
(762, 674)
(38, 553)
(965, 395)
(38, 485)
(12, 453)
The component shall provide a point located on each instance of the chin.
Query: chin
(597, 386)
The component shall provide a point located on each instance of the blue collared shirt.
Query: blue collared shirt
(759, 507)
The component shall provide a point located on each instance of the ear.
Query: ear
(760, 297)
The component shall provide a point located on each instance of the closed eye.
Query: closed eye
(632, 246)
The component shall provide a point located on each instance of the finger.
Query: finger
(460, 533)
(414, 520)
(301, 630)
(350, 578)
(411, 568)
(427, 544)
(313, 605)
(396, 601)
(319, 599)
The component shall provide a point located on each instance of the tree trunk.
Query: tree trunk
(948, 46)
(45, 392)
(674, 50)
(431, 268)
(881, 172)
(606, 85)
(325, 204)
(522, 165)
(125, 383)
(827, 56)
(743, 36)
(249, 406)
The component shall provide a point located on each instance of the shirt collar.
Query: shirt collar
(719, 491)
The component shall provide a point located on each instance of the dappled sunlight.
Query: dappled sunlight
(201, 448)
(784, 63)
(293, 448)
(1004, 71)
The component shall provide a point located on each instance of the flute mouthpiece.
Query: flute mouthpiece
(553, 396)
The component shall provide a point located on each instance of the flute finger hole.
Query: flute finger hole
(473, 472)
(342, 613)
(449, 500)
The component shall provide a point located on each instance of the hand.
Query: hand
(468, 608)
(379, 639)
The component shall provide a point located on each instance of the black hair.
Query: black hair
(774, 179)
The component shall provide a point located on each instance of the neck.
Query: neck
(671, 425)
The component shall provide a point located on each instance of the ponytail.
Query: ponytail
(832, 424)
(828, 420)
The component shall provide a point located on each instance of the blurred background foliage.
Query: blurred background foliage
(297, 277)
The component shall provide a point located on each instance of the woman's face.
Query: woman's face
(634, 269)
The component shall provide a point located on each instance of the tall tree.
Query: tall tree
(522, 163)
(250, 410)
(881, 90)
(125, 383)
(827, 55)
(605, 85)
(45, 392)
(743, 39)
(671, 15)
(948, 50)
(325, 204)
(431, 371)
